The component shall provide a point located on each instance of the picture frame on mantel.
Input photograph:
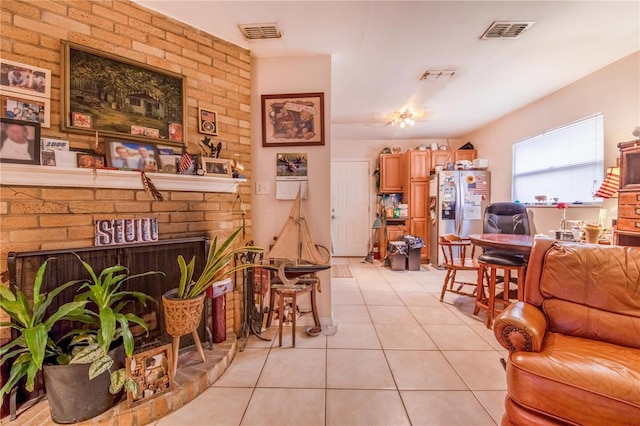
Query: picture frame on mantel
(19, 141)
(292, 119)
(119, 95)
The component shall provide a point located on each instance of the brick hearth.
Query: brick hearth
(193, 378)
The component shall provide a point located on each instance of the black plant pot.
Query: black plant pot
(73, 397)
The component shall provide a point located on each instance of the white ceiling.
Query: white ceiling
(380, 49)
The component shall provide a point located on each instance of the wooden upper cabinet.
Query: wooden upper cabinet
(418, 165)
(391, 173)
(440, 158)
(465, 154)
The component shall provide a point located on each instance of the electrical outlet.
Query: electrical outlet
(262, 188)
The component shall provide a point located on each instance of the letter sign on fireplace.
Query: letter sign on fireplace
(111, 232)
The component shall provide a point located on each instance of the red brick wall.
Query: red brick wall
(217, 77)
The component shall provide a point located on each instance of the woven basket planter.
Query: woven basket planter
(182, 316)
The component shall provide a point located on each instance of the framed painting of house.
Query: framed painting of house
(122, 97)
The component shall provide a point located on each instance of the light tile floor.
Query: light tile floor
(400, 357)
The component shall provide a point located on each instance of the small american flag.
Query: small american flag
(185, 162)
(482, 188)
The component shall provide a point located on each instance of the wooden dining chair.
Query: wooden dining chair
(454, 250)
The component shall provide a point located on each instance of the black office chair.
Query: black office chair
(506, 218)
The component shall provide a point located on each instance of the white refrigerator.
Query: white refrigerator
(457, 203)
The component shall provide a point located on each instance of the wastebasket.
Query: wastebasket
(397, 255)
(219, 309)
(414, 249)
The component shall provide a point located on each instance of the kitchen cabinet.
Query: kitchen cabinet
(465, 154)
(391, 173)
(440, 158)
(417, 165)
(416, 194)
(628, 232)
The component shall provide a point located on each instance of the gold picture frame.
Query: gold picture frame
(118, 93)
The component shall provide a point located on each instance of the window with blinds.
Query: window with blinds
(566, 163)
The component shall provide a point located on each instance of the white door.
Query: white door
(350, 227)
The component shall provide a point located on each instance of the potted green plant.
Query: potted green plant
(90, 382)
(183, 305)
(33, 345)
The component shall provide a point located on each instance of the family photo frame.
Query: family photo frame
(19, 141)
(150, 370)
(119, 97)
(292, 119)
(133, 155)
(216, 167)
(24, 79)
(26, 107)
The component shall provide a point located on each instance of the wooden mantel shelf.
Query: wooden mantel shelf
(30, 175)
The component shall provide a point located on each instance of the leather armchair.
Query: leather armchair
(574, 341)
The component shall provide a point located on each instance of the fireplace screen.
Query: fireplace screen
(64, 266)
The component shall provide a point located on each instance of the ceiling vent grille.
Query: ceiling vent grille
(506, 29)
(260, 31)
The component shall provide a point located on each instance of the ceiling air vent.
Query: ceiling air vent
(260, 31)
(506, 29)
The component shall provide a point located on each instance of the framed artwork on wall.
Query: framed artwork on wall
(26, 107)
(19, 141)
(117, 97)
(207, 122)
(24, 79)
(293, 120)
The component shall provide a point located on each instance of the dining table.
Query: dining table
(515, 243)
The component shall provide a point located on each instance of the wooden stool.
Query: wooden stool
(492, 262)
(304, 285)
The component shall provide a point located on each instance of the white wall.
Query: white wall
(613, 91)
(282, 75)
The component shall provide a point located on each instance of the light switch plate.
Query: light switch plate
(262, 188)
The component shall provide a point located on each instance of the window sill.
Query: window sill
(30, 175)
(571, 206)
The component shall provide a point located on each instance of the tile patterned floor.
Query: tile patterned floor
(400, 357)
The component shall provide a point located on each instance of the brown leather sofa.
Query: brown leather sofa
(574, 342)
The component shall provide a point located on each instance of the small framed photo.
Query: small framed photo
(25, 79)
(216, 166)
(48, 158)
(151, 371)
(27, 108)
(19, 141)
(207, 122)
(89, 160)
(84, 121)
(131, 155)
